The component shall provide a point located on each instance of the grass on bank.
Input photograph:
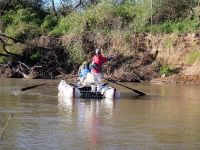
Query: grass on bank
(178, 26)
(193, 56)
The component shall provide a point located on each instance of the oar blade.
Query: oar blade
(136, 91)
(139, 92)
(32, 87)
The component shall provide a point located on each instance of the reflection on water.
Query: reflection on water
(88, 116)
(167, 118)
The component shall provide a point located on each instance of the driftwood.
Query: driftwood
(5, 126)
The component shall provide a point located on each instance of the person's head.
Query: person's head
(98, 52)
(84, 63)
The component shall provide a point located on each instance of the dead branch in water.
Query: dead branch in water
(6, 126)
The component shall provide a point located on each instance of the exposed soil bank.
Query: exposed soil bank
(178, 79)
(138, 57)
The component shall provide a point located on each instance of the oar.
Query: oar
(136, 91)
(32, 87)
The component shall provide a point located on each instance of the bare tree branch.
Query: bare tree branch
(80, 3)
(53, 7)
(4, 48)
(22, 42)
(4, 55)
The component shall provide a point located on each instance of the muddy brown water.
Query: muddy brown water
(168, 118)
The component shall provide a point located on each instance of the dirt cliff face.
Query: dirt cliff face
(174, 49)
(180, 51)
(137, 56)
(143, 54)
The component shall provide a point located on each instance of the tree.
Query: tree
(65, 8)
(36, 5)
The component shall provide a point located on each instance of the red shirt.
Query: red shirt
(98, 61)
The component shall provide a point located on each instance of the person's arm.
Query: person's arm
(94, 66)
(105, 59)
(109, 58)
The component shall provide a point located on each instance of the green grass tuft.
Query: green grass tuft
(193, 56)
(166, 70)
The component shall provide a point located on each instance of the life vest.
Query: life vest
(97, 63)
(84, 72)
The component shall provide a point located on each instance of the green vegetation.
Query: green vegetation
(35, 56)
(167, 43)
(193, 56)
(75, 53)
(178, 26)
(127, 16)
(2, 59)
(72, 23)
(166, 70)
(26, 20)
(21, 23)
(49, 23)
(171, 16)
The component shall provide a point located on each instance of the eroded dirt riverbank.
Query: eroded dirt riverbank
(137, 59)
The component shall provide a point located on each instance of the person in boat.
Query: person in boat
(97, 69)
(83, 72)
(82, 67)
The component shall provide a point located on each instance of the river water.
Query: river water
(168, 118)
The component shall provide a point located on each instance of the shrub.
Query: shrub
(178, 26)
(71, 23)
(49, 23)
(21, 24)
(105, 17)
(75, 53)
(166, 70)
(142, 13)
(126, 11)
(36, 56)
(171, 10)
(95, 17)
(16, 48)
(22, 31)
(3, 59)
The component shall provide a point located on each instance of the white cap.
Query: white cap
(98, 51)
